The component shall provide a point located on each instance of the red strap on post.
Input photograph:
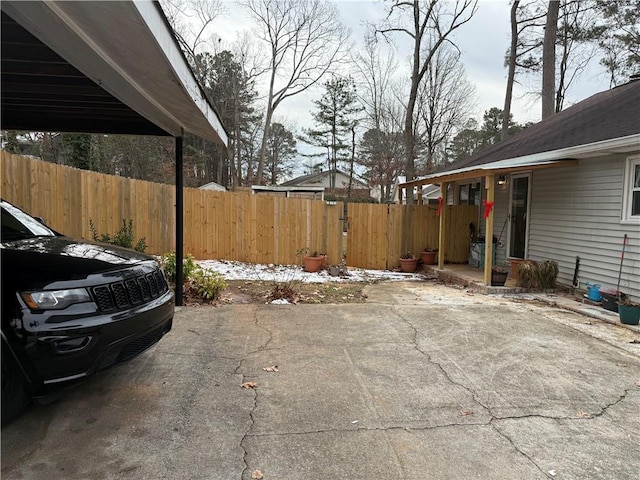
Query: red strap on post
(488, 206)
(439, 206)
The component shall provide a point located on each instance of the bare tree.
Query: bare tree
(577, 27)
(511, 65)
(445, 100)
(526, 18)
(427, 23)
(549, 59)
(374, 76)
(191, 21)
(305, 40)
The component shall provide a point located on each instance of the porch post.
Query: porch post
(488, 244)
(442, 238)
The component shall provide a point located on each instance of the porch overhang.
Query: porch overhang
(553, 159)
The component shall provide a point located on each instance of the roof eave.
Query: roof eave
(555, 158)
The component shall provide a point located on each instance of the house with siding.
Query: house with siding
(334, 182)
(565, 188)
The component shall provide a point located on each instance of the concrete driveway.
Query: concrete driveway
(423, 381)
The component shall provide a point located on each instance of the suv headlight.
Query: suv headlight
(55, 299)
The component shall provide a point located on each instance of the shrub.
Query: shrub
(168, 264)
(207, 283)
(548, 274)
(123, 237)
(528, 276)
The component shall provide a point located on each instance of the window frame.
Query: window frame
(629, 189)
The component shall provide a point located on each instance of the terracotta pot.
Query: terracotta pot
(514, 266)
(428, 258)
(409, 265)
(312, 264)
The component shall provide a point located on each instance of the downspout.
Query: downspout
(179, 220)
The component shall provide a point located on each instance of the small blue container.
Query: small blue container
(593, 292)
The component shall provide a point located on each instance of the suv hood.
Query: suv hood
(63, 254)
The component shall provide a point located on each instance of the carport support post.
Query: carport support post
(442, 234)
(179, 220)
(488, 243)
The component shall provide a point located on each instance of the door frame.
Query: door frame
(526, 233)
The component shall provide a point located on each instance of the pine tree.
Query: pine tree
(336, 115)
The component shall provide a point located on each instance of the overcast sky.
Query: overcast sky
(483, 42)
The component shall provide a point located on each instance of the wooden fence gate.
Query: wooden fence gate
(378, 235)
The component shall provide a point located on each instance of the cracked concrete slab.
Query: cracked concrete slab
(423, 381)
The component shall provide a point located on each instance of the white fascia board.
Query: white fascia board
(166, 41)
(280, 188)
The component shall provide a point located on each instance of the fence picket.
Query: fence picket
(224, 225)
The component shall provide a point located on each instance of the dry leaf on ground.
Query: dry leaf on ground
(464, 413)
(583, 415)
(257, 475)
(271, 369)
(249, 385)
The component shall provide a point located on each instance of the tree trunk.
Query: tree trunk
(511, 75)
(267, 124)
(409, 139)
(549, 59)
(353, 155)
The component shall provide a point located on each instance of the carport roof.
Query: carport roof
(99, 67)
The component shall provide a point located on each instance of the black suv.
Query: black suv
(71, 308)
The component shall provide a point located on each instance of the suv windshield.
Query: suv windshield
(17, 225)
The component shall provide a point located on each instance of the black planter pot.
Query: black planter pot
(498, 277)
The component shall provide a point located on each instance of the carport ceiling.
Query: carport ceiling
(98, 67)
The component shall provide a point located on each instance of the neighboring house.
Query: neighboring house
(566, 187)
(430, 193)
(335, 182)
(216, 187)
(314, 193)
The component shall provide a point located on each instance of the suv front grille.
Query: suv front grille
(122, 295)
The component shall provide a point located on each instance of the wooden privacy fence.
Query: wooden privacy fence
(223, 225)
(379, 234)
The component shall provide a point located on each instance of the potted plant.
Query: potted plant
(498, 276)
(313, 262)
(629, 312)
(515, 264)
(408, 263)
(428, 256)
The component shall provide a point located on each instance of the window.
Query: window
(469, 194)
(463, 196)
(631, 197)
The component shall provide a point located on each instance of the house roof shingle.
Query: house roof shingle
(606, 115)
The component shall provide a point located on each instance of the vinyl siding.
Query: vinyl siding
(576, 211)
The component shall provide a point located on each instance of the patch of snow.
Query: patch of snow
(233, 270)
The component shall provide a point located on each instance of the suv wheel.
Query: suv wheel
(14, 394)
